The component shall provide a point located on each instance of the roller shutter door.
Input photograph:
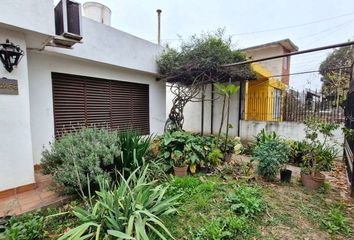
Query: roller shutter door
(84, 101)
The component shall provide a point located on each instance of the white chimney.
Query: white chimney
(98, 12)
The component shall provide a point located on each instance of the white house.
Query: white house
(108, 76)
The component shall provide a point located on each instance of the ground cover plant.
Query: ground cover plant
(185, 148)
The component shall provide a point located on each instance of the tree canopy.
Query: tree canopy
(335, 77)
(200, 60)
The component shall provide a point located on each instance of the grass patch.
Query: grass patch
(222, 208)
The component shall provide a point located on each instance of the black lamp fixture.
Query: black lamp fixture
(10, 55)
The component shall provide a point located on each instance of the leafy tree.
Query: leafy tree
(196, 63)
(336, 80)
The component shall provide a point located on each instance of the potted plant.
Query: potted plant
(228, 147)
(285, 174)
(179, 163)
(318, 155)
(311, 177)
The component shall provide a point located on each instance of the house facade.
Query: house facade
(108, 77)
(264, 97)
(279, 67)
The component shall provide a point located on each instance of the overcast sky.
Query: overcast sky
(308, 23)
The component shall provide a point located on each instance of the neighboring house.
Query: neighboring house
(109, 77)
(278, 66)
(264, 97)
(259, 99)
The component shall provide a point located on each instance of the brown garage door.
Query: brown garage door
(83, 101)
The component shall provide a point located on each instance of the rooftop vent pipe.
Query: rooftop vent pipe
(98, 12)
(158, 26)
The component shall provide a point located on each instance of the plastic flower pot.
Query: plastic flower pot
(180, 171)
(285, 175)
(312, 182)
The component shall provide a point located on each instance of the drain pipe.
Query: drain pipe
(240, 109)
(202, 120)
(212, 110)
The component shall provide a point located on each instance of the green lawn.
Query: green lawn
(289, 211)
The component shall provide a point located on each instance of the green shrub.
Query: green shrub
(77, 158)
(247, 201)
(193, 149)
(129, 210)
(81, 156)
(263, 136)
(297, 152)
(271, 155)
(134, 147)
(25, 227)
(336, 222)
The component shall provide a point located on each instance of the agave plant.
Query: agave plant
(130, 210)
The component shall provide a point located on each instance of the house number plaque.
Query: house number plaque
(8, 86)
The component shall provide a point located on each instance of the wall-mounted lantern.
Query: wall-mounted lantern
(10, 55)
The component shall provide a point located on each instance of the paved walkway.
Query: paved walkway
(30, 200)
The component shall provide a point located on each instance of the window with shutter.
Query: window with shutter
(80, 101)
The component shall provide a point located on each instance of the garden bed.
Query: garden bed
(284, 211)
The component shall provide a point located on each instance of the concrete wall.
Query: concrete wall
(289, 130)
(40, 68)
(193, 112)
(16, 165)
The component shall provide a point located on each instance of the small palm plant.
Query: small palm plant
(226, 91)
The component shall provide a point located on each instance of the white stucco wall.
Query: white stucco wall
(33, 15)
(16, 164)
(289, 130)
(193, 113)
(42, 65)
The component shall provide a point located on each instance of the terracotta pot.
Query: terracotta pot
(180, 171)
(227, 157)
(312, 182)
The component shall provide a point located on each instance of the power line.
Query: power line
(291, 54)
(277, 29)
(344, 24)
(293, 26)
(306, 72)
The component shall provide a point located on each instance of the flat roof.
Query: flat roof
(285, 43)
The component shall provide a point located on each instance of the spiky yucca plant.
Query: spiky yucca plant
(129, 210)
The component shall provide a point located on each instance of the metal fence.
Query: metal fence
(293, 106)
(349, 138)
